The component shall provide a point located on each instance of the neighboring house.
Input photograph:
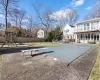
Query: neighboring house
(40, 34)
(68, 34)
(88, 31)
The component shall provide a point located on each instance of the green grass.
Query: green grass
(31, 44)
(95, 74)
(87, 44)
(0, 59)
(35, 44)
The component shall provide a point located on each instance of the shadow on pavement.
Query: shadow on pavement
(43, 53)
(16, 50)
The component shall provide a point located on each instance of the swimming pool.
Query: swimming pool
(67, 52)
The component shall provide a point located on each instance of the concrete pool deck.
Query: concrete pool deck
(43, 67)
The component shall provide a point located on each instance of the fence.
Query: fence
(23, 39)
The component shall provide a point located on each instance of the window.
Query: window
(87, 26)
(88, 36)
(84, 27)
(80, 27)
(41, 33)
(94, 25)
(67, 30)
(81, 36)
(92, 36)
(98, 37)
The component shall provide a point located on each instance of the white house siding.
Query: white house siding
(68, 33)
(88, 31)
(40, 34)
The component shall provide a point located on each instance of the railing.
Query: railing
(91, 29)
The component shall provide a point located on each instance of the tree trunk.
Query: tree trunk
(20, 25)
(16, 21)
(6, 20)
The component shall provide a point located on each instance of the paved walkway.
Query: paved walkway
(43, 67)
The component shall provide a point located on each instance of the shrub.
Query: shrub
(55, 34)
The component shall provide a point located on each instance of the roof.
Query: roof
(72, 26)
(91, 20)
(67, 26)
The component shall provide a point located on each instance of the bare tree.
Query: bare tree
(30, 23)
(7, 5)
(95, 13)
(71, 17)
(63, 17)
(44, 16)
(14, 14)
(47, 20)
(21, 16)
(17, 16)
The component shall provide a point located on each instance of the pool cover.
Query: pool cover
(67, 52)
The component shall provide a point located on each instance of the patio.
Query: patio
(44, 67)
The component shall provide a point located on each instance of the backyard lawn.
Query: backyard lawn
(95, 74)
(87, 44)
(35, 44)
(32, 44)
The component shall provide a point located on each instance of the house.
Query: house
(40, 33)
(88, 31)
(68, 33)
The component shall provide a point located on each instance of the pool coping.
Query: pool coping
(84, 64)
(63, 66)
